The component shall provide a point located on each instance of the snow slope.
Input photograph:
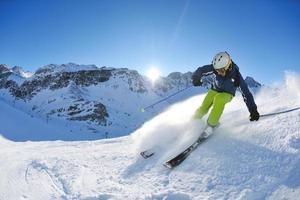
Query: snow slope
(17, 125)
(243, 160)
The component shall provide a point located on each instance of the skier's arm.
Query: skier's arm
(202, 71)
(248, 98)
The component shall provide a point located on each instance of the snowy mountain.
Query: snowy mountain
(252, 83)
(4, 69)
(104, 101)
(19, 71)
(242, 160)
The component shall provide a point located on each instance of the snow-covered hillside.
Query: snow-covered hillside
(242, 160)
(103, 102)
(99, 102)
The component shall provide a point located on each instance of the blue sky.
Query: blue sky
(262, 36)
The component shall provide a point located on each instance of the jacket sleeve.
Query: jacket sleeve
(203, 71)
(247, 95)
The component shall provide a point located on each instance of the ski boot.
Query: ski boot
(209, 130)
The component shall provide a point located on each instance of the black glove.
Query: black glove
(196, 81)
(254, 115)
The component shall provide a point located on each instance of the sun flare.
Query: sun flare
(153, 74)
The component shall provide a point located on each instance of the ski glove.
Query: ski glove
(254, 116)
(196, 80)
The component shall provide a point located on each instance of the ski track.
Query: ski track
(228, 166)
(242, 160)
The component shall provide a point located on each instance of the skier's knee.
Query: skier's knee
(219, 101)
(222, 99)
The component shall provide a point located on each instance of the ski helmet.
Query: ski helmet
(221, 60)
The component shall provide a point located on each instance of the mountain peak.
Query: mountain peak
(19, 71)
(4, 68)
(251, 82)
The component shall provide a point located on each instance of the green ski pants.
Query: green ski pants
(217, 101)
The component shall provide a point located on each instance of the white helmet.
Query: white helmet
(221, 60)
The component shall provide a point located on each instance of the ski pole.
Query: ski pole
(164, 99)
(280, 112)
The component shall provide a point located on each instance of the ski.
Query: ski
(184, 154)
(147, 154)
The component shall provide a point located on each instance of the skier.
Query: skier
(227, 80)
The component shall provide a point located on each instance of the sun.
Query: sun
(153, 74)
